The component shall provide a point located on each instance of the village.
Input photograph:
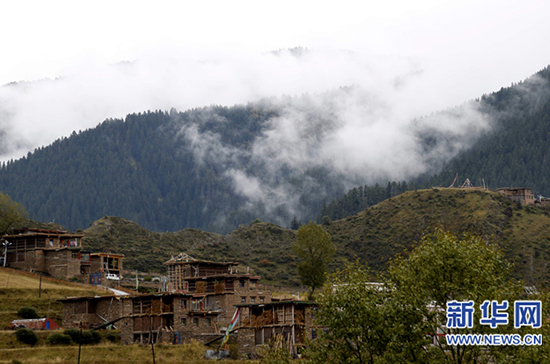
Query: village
(206, 301)
(200, 300)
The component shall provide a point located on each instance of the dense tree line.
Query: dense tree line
(135, 168)
(359, 198)
(164, 170)
(146, 168)
(516, 153)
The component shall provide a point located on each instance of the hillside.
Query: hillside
(19, 289)
(373, 236)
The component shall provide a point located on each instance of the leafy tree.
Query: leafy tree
(445, 268)
(314, 247)
(396, 321)
(27, 313)
(12, 214)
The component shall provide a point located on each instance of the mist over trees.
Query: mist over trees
(514, 154)
(216, 167)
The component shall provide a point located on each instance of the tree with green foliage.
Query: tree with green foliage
(12, 214)
(443, 268)
(314, 247)
(397, 321)
(27, 313)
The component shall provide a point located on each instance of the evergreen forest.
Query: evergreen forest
(170, 170)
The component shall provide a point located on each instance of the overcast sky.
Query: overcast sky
(460, 49)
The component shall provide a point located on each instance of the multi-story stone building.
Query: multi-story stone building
(518, 194)
(59, 254)
(213, 285)
(199, 302)
(260, 324)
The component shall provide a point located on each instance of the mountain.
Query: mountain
(514, 152)
(373, 236)
(215, 168)
(168, 171)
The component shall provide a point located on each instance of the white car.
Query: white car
(113, 277)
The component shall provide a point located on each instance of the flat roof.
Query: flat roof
(45, 234)
(225, 275)
(207, 262)
(108, 255)
(277, 303)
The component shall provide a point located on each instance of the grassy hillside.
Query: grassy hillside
(19, 289)
(396, 225)
(373, 236)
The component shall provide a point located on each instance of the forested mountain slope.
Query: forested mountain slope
(167, 171)
(139, 169)
(517, 152)
(514, 153)
(217, 167)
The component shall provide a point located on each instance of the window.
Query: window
(184, 304)
(184, 321)
(208, 321)
(252, 299)
(241, 282)
(243, 299)
(261, 300)
(196, 321)
(75, 255)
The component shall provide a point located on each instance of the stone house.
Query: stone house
(215, 286)
(199, 303)
(518, 194)
(92, 312)
(260, 323)
(59, 254)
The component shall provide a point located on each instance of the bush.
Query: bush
(87, 336)
(26, 336)
(96, 337)
(275, 353)
(27, 313)
(113, 337)
(74, 334)
(59, 339)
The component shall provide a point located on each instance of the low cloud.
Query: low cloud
(355, 117)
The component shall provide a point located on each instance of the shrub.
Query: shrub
(113, 337)
(96, 336)
(74, 334)
(85, 338)
(59, 339)
(264, 262)
(27, 313)
(26, 336)
(275, 353)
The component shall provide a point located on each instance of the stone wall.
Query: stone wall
(91, 312)
(246, 342)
